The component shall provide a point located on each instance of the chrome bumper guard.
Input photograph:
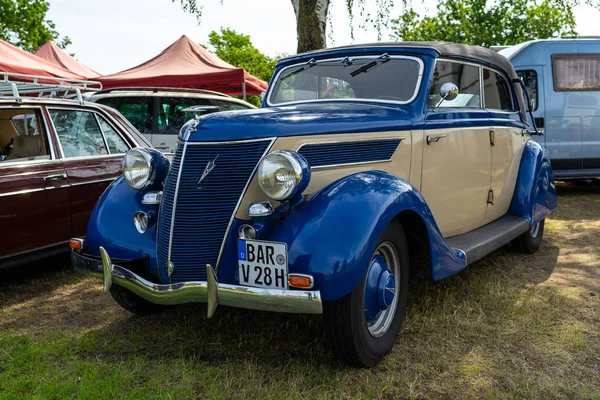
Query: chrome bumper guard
(211, 291)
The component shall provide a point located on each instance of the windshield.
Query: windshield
(383, 77)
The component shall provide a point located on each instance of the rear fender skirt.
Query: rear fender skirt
(535, 192)
(332, 236)
(111, 226)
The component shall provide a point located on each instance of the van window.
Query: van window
(465, 76)
(138, 110)
(530, 79)
(576, 72)
(170, 116)
(230, 105)
(496, 92)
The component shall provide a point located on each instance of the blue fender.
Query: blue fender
(111, 226)
(535, 192)
(333, 235)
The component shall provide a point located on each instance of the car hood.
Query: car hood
(299, 120)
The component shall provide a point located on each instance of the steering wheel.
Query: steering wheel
(393, 98)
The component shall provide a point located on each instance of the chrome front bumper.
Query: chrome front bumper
(211, 292)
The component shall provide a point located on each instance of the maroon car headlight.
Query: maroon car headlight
(144, 168)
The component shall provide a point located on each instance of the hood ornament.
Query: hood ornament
(209, 167)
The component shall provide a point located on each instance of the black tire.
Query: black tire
(530, 241)
(134, 303)
(345, 322)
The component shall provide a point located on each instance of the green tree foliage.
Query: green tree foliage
(237, 49)
(24, 24)
(484, 23)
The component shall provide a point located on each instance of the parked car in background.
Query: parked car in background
(360, 156)
(57, 156)
(158, 112)
(563, 78)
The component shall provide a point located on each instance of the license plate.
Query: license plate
(262, 264)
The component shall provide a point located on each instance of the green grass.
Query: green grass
(512, 326)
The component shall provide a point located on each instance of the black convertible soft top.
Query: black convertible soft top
(447, 50)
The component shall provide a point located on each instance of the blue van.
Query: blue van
(563, 79)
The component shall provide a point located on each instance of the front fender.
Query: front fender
(535, 192)
(111, 226)
(333, 235)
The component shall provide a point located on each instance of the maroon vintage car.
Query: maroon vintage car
(56, 158)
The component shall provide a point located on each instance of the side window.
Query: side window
(78, 133)
(229, 105)
(170, 116)
(466, 77)
(576, 72)
(530, 79)
(496, 92)
(22, 136)
(116, 144)
(138, 110)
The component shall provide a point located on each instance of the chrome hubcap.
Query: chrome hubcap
(535, 230)
(388, 297)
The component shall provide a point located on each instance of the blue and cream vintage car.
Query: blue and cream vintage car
(360, 157)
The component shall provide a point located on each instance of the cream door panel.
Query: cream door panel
(456, 178)
(506, 159)
(399, 164)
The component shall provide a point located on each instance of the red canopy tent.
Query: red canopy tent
(54, 54)
(15, 60)
(188, 65)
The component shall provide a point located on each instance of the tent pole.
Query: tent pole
(244, 90)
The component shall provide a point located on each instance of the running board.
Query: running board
(482, 241)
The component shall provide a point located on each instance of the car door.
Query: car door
(92, 150)
(34, 195)
(507, 141)
(456, 156)
(171, 119)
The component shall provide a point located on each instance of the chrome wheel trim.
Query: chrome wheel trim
(534, 230)
(382, 324)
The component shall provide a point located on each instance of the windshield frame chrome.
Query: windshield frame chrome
(354, 58)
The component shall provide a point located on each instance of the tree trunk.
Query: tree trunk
(311, 23)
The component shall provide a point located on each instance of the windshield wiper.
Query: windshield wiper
(309, 64)
(380, 60)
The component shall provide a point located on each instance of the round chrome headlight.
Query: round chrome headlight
(283, 174)
(143, 168)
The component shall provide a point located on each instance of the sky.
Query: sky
(112, 35)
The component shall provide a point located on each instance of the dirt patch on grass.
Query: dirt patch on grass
(510, 326)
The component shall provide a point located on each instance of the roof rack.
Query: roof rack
(166, 89)
(14, 85)
(579, 37)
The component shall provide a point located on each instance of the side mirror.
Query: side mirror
(448, 91)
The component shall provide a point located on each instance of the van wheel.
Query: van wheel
(134, 303)
(362, 327)
(530, 241)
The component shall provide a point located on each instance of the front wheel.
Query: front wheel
(362, 327)
(530, 241)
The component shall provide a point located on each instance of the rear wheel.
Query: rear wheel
(134, 303)
(530, 241)
(362, 327)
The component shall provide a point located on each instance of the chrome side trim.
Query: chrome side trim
(237, 206)
(357, 57)
(175, 204)
(401, 138)
(278, 300)
(96, 181)
(33, 190)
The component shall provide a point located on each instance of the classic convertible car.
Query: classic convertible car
(312, 204)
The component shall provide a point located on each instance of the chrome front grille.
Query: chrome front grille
(199, 214)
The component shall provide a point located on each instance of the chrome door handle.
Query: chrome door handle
(55, 177)
(434, 138)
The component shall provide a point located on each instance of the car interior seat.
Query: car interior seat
(26, 147)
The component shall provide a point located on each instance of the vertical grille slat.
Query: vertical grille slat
(203, 211)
